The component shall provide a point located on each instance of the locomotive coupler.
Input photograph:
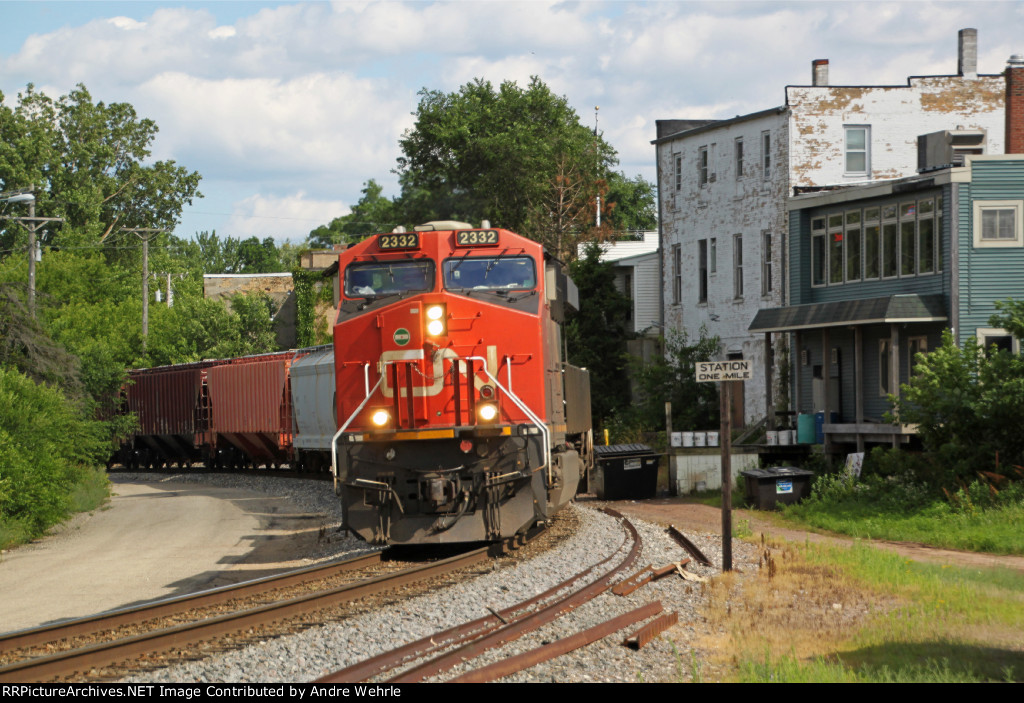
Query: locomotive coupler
(437, 491)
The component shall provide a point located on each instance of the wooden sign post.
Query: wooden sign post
(726, 373)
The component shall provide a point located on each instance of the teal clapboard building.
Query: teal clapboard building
(877, 271)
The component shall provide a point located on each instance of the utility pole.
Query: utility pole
(145, 234)
(32, 224)
(597, 164)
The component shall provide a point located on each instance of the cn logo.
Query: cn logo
(435, 377)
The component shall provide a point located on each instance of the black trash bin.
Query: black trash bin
(625, 472)
(766, 488)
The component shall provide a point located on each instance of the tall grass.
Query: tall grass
(920, 622)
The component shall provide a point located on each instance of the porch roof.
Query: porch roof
(889, 309)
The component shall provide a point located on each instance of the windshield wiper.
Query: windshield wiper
(493, 263)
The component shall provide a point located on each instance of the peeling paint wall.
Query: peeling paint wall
(730, 203)
(895, 115)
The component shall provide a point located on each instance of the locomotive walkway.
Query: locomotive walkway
(153, 540)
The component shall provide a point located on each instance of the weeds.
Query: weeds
(829, 614)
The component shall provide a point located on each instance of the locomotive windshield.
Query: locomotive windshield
(373, 279)
(490, 273)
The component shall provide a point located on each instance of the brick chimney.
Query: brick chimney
(967, 54)
(819, 72)
(1015, 105)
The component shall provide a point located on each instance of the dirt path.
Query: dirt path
(139, 548)
(703, 518)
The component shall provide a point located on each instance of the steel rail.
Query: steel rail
(92, 624)
(539, 655)
(684, 542)
(94, 656)
(514, 630)
(361, 671)
(651, 630)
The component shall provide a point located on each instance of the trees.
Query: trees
(673, 378)
(88, 164)
(86, 161)
(967, 403)
(633, 204)
(517, 157)
(481, 153)
(596, 334)
(372, 214)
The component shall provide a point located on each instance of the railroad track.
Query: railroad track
(430, 657)
(57, 651)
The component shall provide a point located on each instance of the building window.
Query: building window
(739, 158)
(908, 238)
(737, 265)
(766, 262)
(872, 244)
(1002, 340)
(998, 223)
(677, 274)
(679, 171)
(766, 155)
(851, 242)
(702, 271)
(890, 242)
(884, 367)
(819, 255)
(835, 248)
(915, 346)
(926, 236)
(858, 142)
(713, 257)
(702, 165)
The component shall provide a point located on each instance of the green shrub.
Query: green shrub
(47, 450)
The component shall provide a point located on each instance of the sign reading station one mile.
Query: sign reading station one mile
(709, 371)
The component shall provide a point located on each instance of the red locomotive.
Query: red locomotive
(445, 408)
(458, 418)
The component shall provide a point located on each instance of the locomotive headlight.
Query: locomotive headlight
(436, 323)
(488, 412)
(380, 418)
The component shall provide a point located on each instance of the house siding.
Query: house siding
(987, 275)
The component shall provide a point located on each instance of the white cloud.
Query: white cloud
(223, 32)
(281, 217)
(317, 123)
(126, 23)
(313, 97)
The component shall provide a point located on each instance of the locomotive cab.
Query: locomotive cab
(458, 418)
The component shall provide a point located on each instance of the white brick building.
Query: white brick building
(723, 185)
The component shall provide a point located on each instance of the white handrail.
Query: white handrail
(334, 439)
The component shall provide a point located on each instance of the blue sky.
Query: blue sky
(287, 108)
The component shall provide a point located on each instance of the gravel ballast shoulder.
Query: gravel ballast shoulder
(320, 650)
